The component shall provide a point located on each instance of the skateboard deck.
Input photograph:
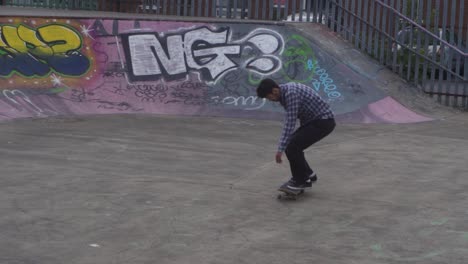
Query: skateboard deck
(287, 195)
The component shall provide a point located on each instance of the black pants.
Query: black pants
(303, 138)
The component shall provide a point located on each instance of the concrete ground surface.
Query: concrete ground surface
(139, 189)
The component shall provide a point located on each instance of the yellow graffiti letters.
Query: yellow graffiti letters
(45, 41)
(32, 43)
(60, 38)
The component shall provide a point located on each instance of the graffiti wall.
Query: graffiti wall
(95, 66)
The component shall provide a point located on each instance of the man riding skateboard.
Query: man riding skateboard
(316, 122)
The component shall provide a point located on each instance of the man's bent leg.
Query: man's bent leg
(303, 138)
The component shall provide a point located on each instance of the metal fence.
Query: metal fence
(424, 41)
(58, 4)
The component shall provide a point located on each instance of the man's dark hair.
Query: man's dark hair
(266, 87)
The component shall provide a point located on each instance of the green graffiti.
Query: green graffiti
(297, 59)
(58, 90)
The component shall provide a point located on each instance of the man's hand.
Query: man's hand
(278, 157)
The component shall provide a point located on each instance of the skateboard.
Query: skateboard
(288, 195)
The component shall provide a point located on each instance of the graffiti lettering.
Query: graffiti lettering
(212, 53)
(35, 52)
(198, 50)
(241, 101)
(323, 80)
(189, 93)
(296, 55)
(148, 92)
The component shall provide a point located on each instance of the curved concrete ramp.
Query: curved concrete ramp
(65, 66)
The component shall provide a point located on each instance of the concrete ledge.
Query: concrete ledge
(44, 12)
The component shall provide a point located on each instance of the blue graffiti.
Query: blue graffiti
(323, 80)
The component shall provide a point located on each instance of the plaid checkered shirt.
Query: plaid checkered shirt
(300, 102)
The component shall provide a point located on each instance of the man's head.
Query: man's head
(269, 89)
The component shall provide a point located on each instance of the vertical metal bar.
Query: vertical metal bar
(293, 10)
(228, 9)
(383, 38)
(404, 27)
(270, 8)
(234, 13)
(297, 10)
(192, 8)
(352, 22)
(419, 13)
(141, 7)
(410, 41)
(185, 7)
(220, 8)
(364, 25)
(395, 51)
(435, 43)
(286, 9)
(178, 8)
(452, 52)
(339, 19)
(199, 8)
(308, 5)
(378, 12)
(346, 17)
(278, 11)
(257, 9)
(316, 13)
(249, 9)
(428, 22)
(213, 8)
(358, 25)
(390, 29)
(465, 74)
(207, 6)
(442, 47)
(334, 15)
(325, 12)
(301, 11)
(355, 21)
(321, 11)
(264, 9)
(458, 82)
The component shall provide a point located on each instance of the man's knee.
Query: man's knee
(293, 152)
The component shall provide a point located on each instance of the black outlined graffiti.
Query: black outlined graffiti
(150, 56)
(190, 93)
(149, 92)
(114, 70)
(212, 53)
(82, 95)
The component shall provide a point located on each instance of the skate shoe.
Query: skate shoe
(312, 179)
(292, 187)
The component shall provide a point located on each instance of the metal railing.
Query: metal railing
(58, 4)
(422, 43)
(425, 42)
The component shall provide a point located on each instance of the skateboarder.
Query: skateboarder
(316, 122)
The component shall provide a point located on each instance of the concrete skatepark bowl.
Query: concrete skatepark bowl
(135, 148)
